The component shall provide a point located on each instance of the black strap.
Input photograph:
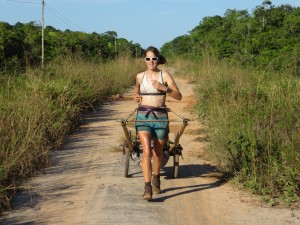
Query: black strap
(152, 109)
(159, 93)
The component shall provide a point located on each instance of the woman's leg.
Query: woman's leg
(157, 162)
(157, 155)
(145, 139)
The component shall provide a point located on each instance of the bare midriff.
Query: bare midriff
(153, 100)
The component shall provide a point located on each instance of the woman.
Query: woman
(151, 89)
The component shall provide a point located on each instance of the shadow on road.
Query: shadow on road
(190, 171)
(186, 190)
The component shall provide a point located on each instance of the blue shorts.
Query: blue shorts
(158, 130)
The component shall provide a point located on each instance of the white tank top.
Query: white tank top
(147, 88)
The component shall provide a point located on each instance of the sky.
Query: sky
(148, 23)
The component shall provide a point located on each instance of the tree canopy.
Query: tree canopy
(267, 38)
(20, 45)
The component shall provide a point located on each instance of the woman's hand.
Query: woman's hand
(158, 86)
(137, 98)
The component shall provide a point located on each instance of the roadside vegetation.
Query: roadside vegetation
(254, 124)
(38, 108)
(247, 69)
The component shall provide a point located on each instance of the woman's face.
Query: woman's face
(151, 60)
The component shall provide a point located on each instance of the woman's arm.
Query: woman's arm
(137, 97)
(173, 89)
(175, 93)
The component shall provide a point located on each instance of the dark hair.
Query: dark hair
(162, 59)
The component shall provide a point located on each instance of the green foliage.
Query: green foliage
(267, 39)
(20, 46)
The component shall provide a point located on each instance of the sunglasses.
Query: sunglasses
(154, 59)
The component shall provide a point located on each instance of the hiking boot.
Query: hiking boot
(148, 192)
(156, 184)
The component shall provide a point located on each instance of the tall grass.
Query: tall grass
(39, 108)
(254, 120)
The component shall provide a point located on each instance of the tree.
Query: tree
(11, 47)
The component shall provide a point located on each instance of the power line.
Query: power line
(52, 10)
(26, 2)
(64, 19)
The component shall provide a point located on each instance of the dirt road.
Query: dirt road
(85, 185)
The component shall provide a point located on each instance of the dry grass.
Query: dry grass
(39, 108)
(254, 124)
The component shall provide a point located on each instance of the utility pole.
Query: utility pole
(43, 6)
(115, 45)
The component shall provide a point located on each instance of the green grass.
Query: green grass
(254, 121)
(39, 108)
